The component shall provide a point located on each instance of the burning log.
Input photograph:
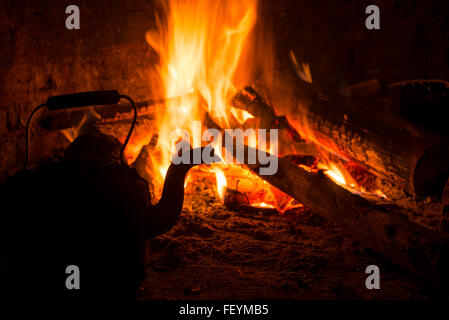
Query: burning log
(249, 100)
(384, 228)
(403, 156)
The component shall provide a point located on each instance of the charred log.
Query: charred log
(408, 157)
(384, 228)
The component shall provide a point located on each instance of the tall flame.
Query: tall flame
(199, 44)
(221, 182)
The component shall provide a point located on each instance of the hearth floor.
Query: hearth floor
(217, 253)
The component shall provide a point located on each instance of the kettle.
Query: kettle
(89, 209)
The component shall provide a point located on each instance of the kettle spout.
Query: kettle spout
(164, 215)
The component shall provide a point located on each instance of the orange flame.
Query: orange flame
(241, 115)
(335, 174)
(199, 44)
(221, 182)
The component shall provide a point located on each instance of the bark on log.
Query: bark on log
(384, 228)
(414, 160)
(249, 100)
(265, 118)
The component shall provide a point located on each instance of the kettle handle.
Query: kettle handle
(83, 99)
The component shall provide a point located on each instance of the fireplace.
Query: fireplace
(351, 121)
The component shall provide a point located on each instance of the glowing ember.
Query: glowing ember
(263, 205)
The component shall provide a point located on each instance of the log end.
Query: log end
(432, 171)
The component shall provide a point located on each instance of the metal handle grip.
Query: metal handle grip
(83, 99)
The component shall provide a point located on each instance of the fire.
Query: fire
(335, 174)
(89, 117)
(221, 182)
(199, 44)
(263, 205)
(333, 169)
(241, 115)
(302, 71)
